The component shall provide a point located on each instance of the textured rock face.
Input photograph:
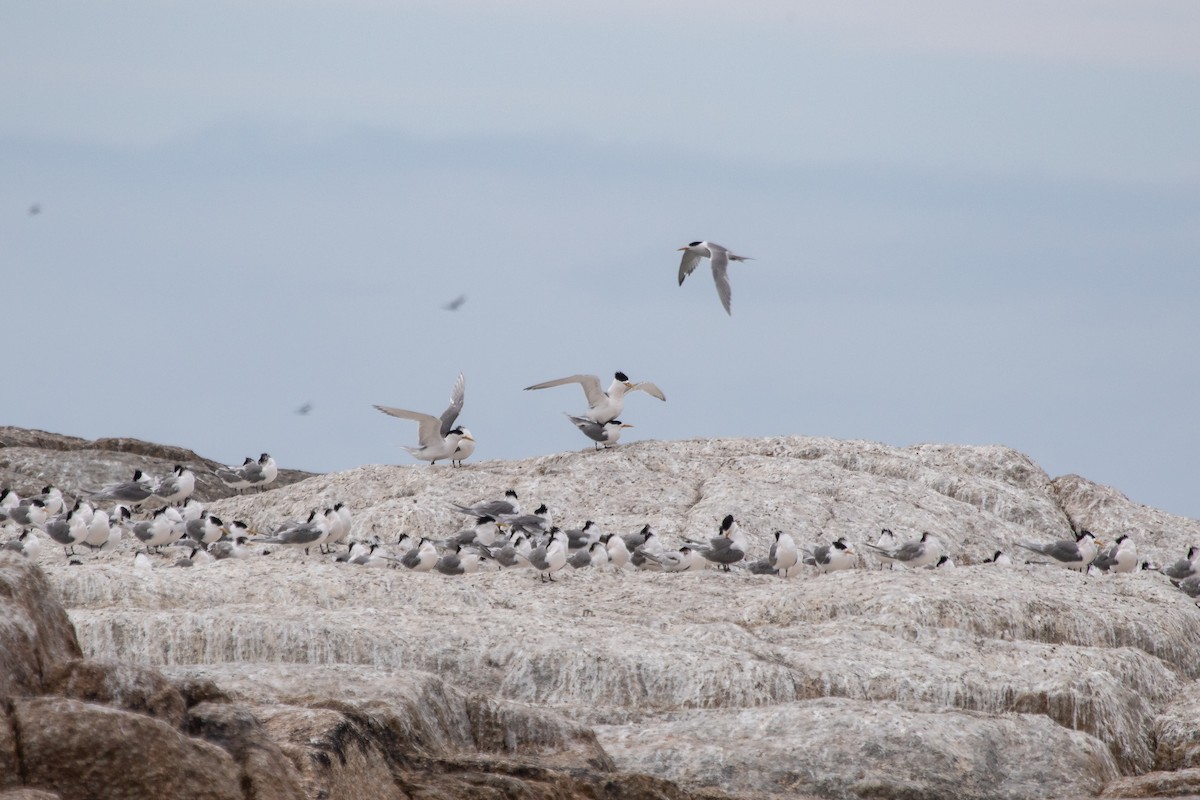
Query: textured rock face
(31, 459)
(35, 633)
(81, 750)
(978, 681)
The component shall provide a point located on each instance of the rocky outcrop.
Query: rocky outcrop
(35, 633)
(976, 681)
(30, 460)
(72, 729)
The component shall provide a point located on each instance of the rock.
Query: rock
(10, 775)
(839, 748)
(196, 690)
(1182, 783)
(266, 773)
(29, 794)
(1177, 730)
(32, 459)
(143, 690)
(425, 716)
(71, 748)
(337, 757)
(36, 635)
(1008, 677)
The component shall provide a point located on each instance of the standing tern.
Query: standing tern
(605, 434)
(439, 438)
(719, 257)
(1075, 555)
(604, 406)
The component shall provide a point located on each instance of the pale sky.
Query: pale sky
(972, 223)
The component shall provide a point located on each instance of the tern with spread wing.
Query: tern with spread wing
(439, 438)
(719, 257)
(604, 406)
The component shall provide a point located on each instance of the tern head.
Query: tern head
(1082, 534)
(541, 509)
(511, 493)
(727, 523)
(691, 245)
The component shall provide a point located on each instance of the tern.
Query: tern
(439, 438)
(783, 555)
(605, 434)
(549, 558)
(920, 553)
(132, 492)
(729, 547)
(604, 406)
(310, 533)
(1184, 568)
(831, 557)
(719, 257)
(492, 508)
(176, 487)
(1074, 555)
(260, 473)
(1121, 556)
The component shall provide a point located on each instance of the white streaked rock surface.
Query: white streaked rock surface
(1055, 681)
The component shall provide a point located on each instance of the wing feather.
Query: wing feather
(720, 271)
(687, 264)
(590, 383)
(456, 405)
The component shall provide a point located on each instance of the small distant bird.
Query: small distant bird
(1075, 555)
(439, 438)
(719, 257)
(999, 558)
(604, 406)
(913, 555)
(35, 209)
(456, 303)
(304, 409)
(605, 434)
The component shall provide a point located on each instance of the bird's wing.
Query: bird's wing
(687, 264)
(427, 433)
(592, 430)
(720, 263)
(1063, 551)
(910, 551)
(590, 383)
(456, 405)
(650, 389)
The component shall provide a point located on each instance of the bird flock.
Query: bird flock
(159, 514)
(440, 439)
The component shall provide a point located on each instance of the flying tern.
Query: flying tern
(719, 257)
